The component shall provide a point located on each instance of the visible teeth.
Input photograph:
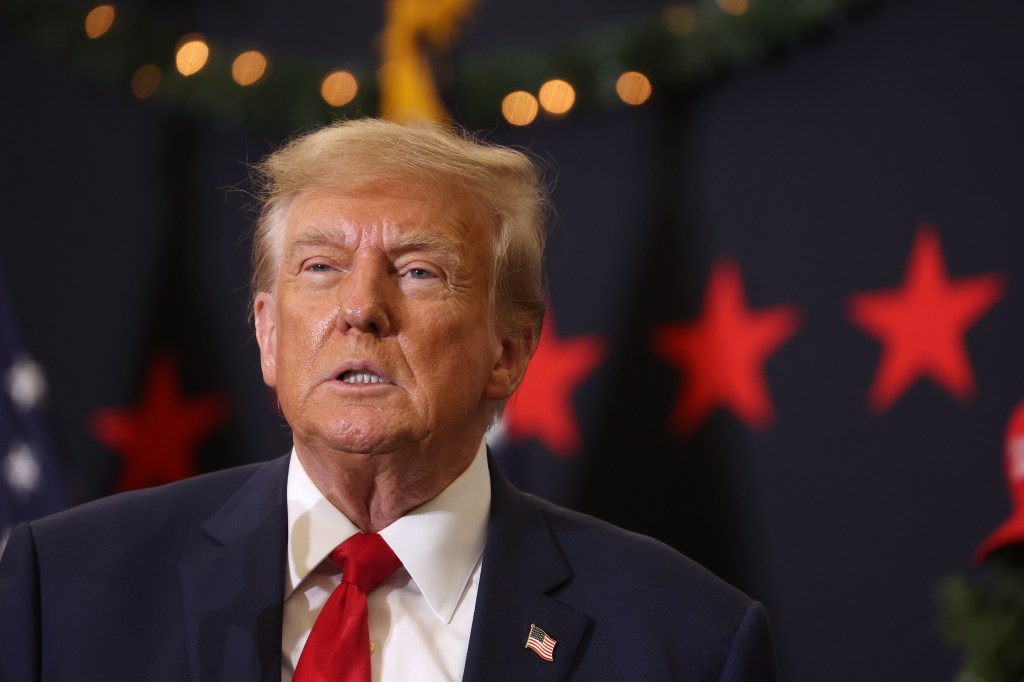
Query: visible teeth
(361, 377)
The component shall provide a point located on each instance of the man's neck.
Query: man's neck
(373, 491)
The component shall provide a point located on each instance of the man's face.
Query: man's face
(378, 334)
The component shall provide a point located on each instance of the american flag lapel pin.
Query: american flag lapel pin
(541, 643)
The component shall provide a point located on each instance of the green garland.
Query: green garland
(984, 617)
(289, 94)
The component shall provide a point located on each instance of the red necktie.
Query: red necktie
(338, 648)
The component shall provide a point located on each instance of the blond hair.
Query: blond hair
(504, 185)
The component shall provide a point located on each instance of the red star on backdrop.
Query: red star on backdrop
(722, 353)
(922, 324)
(157, 440)
(542, 407)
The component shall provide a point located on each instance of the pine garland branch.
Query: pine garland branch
(675, 58)
(983, 616)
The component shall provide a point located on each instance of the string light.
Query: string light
(339, 88)
(99, 20)
(633, 87)
(145, 81)
(519, 108)
(556, 96)
(679, 19)
(736, 7)
(192, 54)
(248, 67)
(723, 43)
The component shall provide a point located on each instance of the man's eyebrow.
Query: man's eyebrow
(404, 242)
(312, 236)
(428, 243)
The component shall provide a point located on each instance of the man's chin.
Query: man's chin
(356, 440)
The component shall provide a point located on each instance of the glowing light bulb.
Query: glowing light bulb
(556, 96)
(248, 67)
(339, 88)
(145, 81)
(99, 20)
(633, 87)
(679, 19)
(736, 7)
(519, 108)
(193, 52)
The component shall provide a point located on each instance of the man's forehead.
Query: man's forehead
(395, 241)
(394, 218)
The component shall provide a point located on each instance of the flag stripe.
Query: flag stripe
(541, 643)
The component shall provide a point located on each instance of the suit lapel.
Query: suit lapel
(523, 564)
(233, 587)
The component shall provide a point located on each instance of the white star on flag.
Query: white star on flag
(21, 469)
(26, 383)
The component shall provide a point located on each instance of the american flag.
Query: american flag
(541, 643)
(29, 480)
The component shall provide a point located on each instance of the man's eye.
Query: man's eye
(420, 273)
(319, 267)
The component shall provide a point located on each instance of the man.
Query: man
(398, 300)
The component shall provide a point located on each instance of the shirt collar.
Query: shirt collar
(440, 542)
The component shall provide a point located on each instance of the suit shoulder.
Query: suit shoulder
(630, 583)
(150, 509)
(601, 553)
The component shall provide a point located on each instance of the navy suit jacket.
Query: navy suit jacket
(186, 582)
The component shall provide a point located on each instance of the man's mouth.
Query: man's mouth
(361, 376)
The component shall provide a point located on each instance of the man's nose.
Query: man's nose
(365, 305)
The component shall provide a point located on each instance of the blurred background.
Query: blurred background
(786, 317)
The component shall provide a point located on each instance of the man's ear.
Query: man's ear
(517, 347)
(265, 314)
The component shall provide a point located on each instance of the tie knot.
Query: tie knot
(365, 560)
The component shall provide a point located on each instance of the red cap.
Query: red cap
(1012, 530)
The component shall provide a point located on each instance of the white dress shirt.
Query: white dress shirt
(420, 617)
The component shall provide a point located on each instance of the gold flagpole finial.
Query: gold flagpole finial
(414, 29)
